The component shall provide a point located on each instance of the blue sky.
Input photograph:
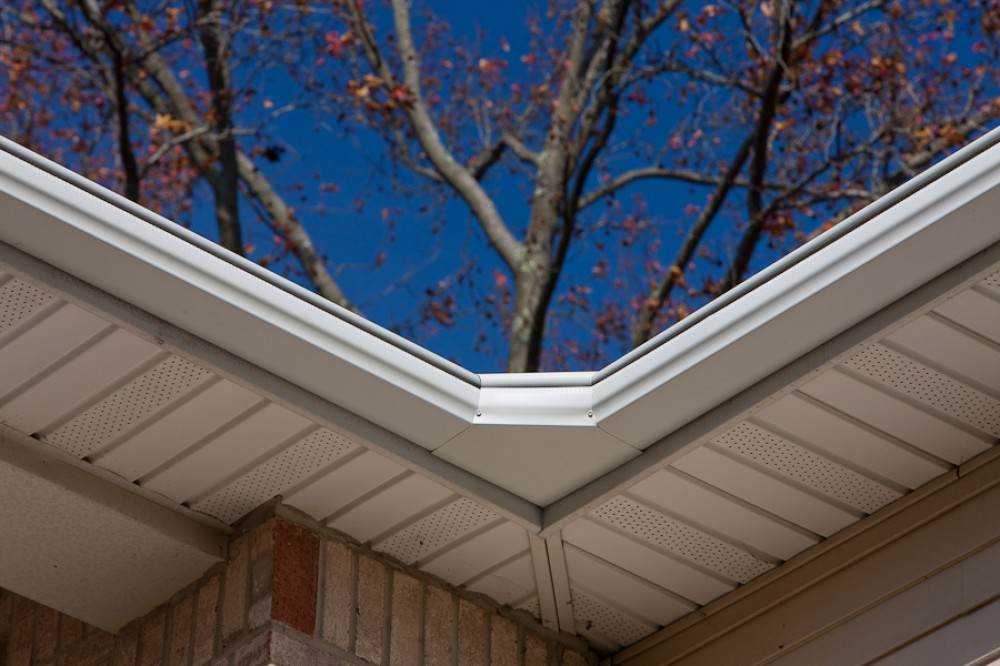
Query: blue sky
(379, 239)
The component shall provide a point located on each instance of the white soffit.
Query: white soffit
(932, 224)
(87, 548)
(607, 504)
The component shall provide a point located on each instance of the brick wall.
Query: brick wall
(292, 595)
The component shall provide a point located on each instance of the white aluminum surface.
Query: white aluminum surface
(178, 429)
(539, 463)
(390, 507)
(345, 482)
(383, 441)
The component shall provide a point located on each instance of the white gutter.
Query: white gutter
(868, 213)
(775, 317)
(874, 258)
(229, 301)
(216, 250)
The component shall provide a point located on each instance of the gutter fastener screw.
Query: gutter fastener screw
(590, 413)
(478, 413)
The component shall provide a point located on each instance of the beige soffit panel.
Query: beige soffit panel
(87, 548)
(910, 570)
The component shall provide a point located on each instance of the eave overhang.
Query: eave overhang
(520, 459)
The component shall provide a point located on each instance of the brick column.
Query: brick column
(294, 596)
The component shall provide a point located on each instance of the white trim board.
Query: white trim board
(924, 229)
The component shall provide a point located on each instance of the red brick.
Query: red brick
(338, 608)
(22, 632)
(151, 638)
(261, 574)
(503, 642)
(46, 632)
(439, 627)
(286, 651)
(126, 646)
(371, 609)
(234, 598)
(206, 620)
(473, 634)
(296, 570)
(571, 658)
(180, 632)
(256, 651)
(404, 626)
(536, 650)
(6, 602)
(95, 648)
(70, 631)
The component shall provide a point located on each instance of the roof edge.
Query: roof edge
(244, 264)
(772, 271)
(176, 276)
(809, 298)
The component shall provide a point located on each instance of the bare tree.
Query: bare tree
(778, 117)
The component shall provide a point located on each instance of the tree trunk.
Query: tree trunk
(226, 190)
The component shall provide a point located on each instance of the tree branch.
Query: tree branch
(644, 325)
(523, 153)
(769, 104)
(460, 178)
(850, 15)
(204, 150)
(227, 210)
(645, 173)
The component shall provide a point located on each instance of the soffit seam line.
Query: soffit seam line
(880, 529)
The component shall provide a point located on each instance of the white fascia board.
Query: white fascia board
(936, 227)
(909, 237)
(215, 297)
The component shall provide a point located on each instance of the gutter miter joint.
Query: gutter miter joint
(556, 399)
